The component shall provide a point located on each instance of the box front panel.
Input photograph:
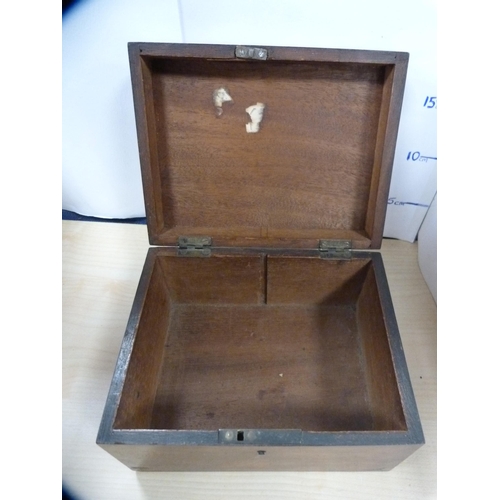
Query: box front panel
(250, 458)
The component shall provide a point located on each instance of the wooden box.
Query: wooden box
(262, 335)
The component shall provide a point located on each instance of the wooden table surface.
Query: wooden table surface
(102, 263)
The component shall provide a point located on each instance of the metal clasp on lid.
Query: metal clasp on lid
(250, 53)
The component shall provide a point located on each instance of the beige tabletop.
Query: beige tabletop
(102, 263)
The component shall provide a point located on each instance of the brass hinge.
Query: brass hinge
(194, 246)
(335, 249)
(250, 53)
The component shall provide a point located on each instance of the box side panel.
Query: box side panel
(252, 458)
(398, 359)
(220, 279)
(146, 137)
(273, 53)
(139, 389)
(381, 379)
(122, 363)
(387, 133)
(310, 280)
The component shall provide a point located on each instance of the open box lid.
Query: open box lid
(266, 146)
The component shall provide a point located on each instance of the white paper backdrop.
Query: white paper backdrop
(427, 248)
(101, 175)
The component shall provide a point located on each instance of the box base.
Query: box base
(263, 366)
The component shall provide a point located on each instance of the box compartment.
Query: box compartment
(261, 342)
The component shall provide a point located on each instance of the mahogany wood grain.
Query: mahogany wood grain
(313, 281)
(285, 458)
(385, 400)
(261, 342)
(137, 398)
(220, 279)
(262, 367)
(318, 168)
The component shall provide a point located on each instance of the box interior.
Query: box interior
(311, 171)
(261, 341)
